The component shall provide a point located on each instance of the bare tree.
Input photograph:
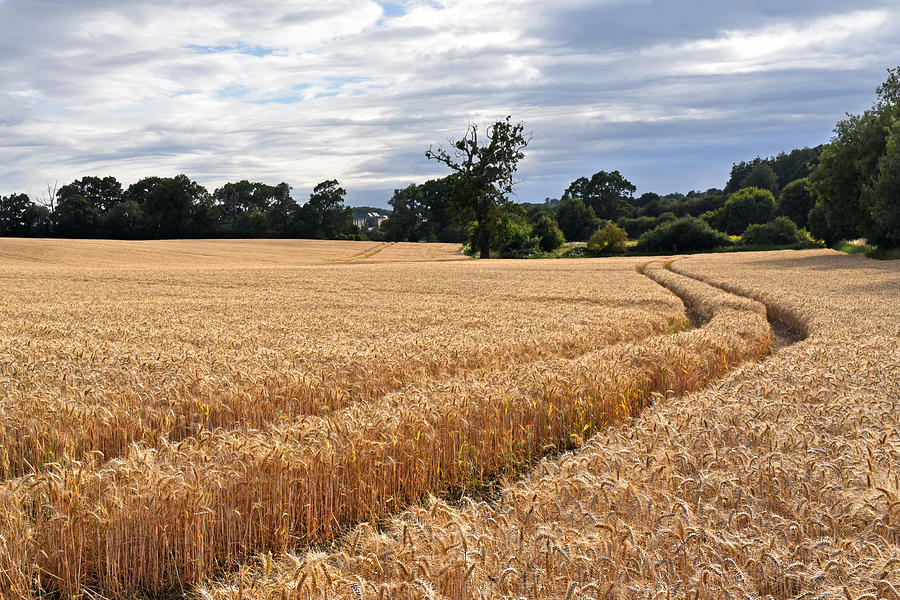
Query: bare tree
(484, 174)
(49, 200)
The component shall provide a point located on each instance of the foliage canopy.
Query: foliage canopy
(485, 174)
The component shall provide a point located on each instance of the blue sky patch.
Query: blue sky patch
(233, 92)
(336, 83)
(238, 48)
(392, 9)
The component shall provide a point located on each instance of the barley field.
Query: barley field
(300, 419)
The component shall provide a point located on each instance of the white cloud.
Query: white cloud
(830, 42)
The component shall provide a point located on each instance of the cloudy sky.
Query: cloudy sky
(668, 92)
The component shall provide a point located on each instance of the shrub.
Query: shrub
(550, 237)
(744, 207)
(638, 226)
(682, 235)
(515, 240)
(780, 232)
(609, 239)
(796, 202)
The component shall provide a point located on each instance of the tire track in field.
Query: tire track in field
(701, 313)
(788, 327)
(313, 480)
(367, 253)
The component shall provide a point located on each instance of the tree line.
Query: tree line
(177, 207)
(602, 210)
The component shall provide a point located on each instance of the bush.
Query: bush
(683, 235)
(609, 239)
(796, 202)
(745, 207)
(515, 240)
(818, 225)
(638, 226)
(550, 237)
(780, 232)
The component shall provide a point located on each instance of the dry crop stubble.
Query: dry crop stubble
(781, 480)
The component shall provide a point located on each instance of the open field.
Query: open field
(168, 410)
(230, 254)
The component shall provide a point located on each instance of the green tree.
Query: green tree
(513, 237)
(818, 226)
(253, 223)
(847, 177)
(695, 206)
(325, 215)
(795, 202)
(75, 217)
(847, 164)
(882, 194)
(282, 209)
(39, 220)
(439, 223)
(549, 235)
(746, 206)
(609, 194)
(102, 193)
(408, 215)
(485, 174)
(124, 220)
(739, 172)
(534, 211)
(761, 176)
(422, 212)
(785, 167)
(649, 204)
(243, 206)
(14, 215)
(576, 220)
(796, 164)
(169, 205)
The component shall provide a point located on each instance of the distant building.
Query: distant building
(370, 220)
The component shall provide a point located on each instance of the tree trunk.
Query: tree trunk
(485, 249)
(484, 237)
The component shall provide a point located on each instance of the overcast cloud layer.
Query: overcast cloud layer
(669, 93)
